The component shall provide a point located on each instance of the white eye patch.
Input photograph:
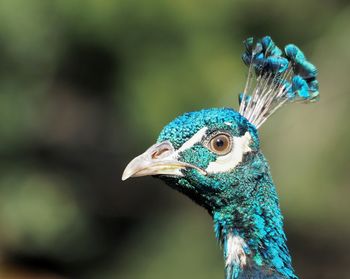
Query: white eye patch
(196, 138)
(229, 161)
(226, 162)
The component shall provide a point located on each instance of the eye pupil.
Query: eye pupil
(219, 142)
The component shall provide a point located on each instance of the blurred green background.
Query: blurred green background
(87, 85)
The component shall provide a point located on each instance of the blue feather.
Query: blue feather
(276, 64)
(294, 53)
(313, 85)
(299, 85)
(289, 68)
(306, 70)
(246, 97)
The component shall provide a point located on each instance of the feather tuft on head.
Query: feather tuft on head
(275, 77)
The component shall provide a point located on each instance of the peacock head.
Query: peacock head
(205, 153)
(213, 156)
(202, 154)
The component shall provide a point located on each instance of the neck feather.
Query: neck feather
(251, 233)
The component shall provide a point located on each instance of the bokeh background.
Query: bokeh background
(87, 85)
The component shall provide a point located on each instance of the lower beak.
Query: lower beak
(160, 158)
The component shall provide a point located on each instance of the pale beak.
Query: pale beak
(160, 158)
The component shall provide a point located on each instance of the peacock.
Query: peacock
(213, 156)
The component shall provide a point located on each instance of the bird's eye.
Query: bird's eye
(220, 144)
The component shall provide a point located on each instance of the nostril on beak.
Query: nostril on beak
(160, 153)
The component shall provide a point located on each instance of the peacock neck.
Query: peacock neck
(250, 229)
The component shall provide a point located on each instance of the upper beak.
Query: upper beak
(160, 158)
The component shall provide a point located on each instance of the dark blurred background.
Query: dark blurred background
(87, 85)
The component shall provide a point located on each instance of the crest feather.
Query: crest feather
(275, 77)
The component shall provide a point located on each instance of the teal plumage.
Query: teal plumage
(213, 156)
(268, 60)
